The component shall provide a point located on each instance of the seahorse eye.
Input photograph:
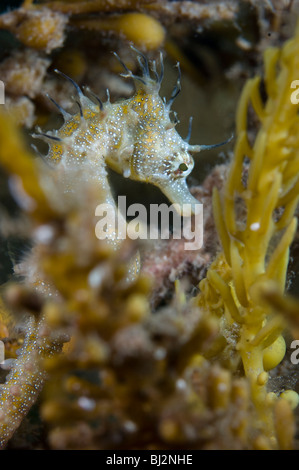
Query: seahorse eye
(183, 167)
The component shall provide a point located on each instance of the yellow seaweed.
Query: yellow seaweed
(256, 223)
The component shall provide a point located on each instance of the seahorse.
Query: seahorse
(136, 137)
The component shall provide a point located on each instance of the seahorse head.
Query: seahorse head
(162, 158)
